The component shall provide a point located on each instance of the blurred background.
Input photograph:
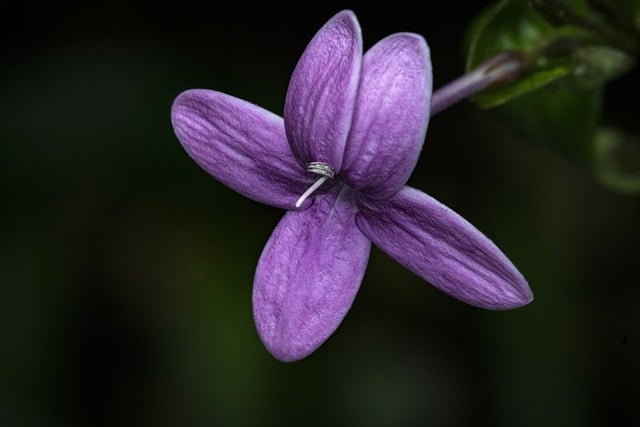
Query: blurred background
(126, 271)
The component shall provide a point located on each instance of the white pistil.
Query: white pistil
(310, 191)
(318, 168)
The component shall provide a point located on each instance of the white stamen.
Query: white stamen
(320, 168)
(311, 189)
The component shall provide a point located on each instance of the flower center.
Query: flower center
(318, 168)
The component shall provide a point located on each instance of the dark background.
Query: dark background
(126, 271)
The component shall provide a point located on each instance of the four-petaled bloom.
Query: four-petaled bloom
(351, 135)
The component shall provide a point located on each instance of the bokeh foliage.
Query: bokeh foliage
(571, 50)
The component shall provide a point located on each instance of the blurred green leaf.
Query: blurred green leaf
(503, 94)
(617, 160)
(571, 49)
(566, 121)
(557, 117)
(513, 25)
(597, 64)
(620, 14)
(553, 50)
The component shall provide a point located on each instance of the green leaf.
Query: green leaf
(622, 15)
(503, 94)
(566, 121)
(617, 160)
(556, 102)
(574, 51)
(595, 65)
(556, 117)
(513, 25)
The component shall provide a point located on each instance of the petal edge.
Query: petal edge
(322, 92)
(308, 276)
(391, 115)
(444, 249)
(240, 144)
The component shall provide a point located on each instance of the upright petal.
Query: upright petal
(390, 117)
(444, 249)
(322, 92)
(308, 275)
(239, 144)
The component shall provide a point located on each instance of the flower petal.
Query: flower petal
(322, 92)
(308, 275)
(391, 115)
(239, 144)
(444, 249)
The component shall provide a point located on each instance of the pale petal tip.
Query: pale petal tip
(186, 97)
(285, 347)
(288, 355)
(346, 15)
(185, 108)
(346, 18)
(526, 296)
(497, 296)
(515, 296)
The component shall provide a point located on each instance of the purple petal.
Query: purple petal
(308, 275)
(391, 115)
(444, 249)
(239, 144)
(322, 92)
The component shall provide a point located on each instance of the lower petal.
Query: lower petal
(308, 275)
(443, 248)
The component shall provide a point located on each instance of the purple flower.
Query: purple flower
(338, 162)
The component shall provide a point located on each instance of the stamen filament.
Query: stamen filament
(310, 191)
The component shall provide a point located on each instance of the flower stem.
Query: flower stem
(496, 70)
